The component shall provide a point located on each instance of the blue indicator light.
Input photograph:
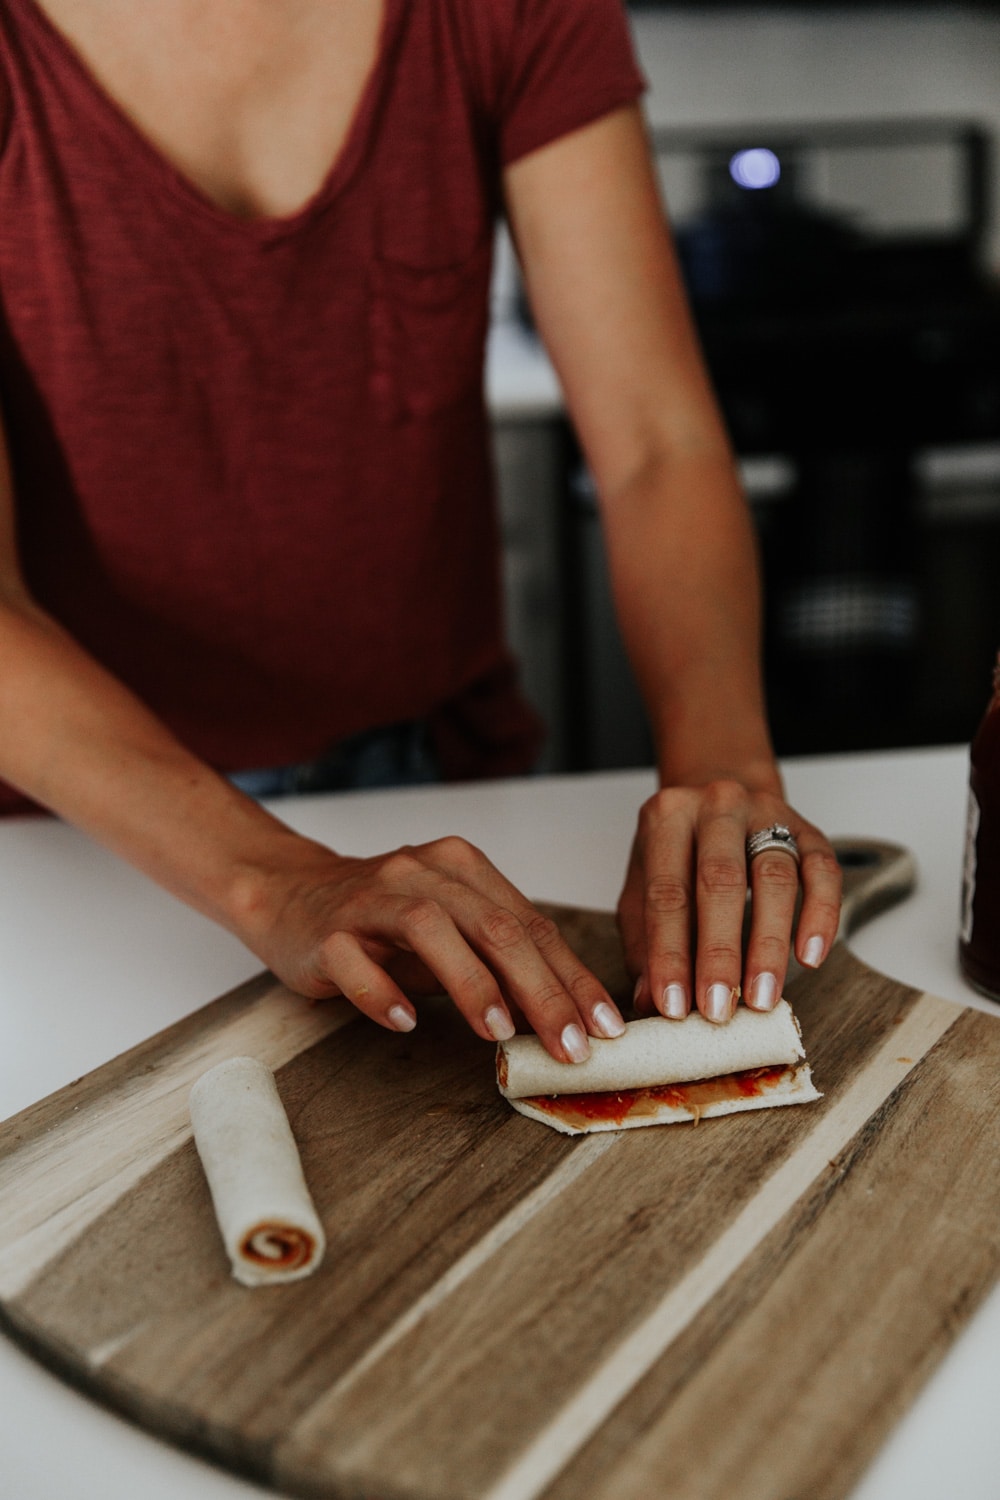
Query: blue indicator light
(755, 168)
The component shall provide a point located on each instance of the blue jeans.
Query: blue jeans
(400, 755)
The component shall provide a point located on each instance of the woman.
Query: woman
(244, 262)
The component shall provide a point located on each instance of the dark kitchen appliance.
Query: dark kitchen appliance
(821, 296)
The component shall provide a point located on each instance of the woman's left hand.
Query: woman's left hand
(682, 909)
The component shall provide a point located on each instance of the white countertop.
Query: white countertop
(93, 959)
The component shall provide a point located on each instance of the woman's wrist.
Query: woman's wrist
(758, 773)
(264, 878)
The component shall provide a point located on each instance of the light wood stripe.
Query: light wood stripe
(67, 1177)
(553, 1448)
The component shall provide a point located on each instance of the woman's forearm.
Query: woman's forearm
(683, 560)
(80, 743)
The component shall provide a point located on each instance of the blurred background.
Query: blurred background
(832, 175)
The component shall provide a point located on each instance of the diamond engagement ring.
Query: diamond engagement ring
(775, 837)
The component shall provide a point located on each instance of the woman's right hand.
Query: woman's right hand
(424, 919)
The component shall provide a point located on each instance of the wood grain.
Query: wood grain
(908, 1208)
(743, 1307)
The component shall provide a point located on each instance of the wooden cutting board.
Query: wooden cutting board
(742, 1307)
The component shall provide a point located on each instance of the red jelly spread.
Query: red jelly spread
(622, 1104)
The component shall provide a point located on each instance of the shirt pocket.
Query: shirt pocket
(428, 334)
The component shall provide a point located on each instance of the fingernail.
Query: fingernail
(719, 1003)
(574, 1043)
(813, 952)
(401, 1018)
(675, 1003)
(607, 1020)
(499, 1024)
(763, 992)
(637, 991)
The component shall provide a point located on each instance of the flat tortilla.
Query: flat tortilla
(661, 1072)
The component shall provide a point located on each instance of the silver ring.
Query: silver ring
(778, 836)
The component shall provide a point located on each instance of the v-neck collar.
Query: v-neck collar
(263, 228)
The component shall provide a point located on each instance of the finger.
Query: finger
(774, 884)
(424, 926)
(470, 870)
(642, 997)
(449, 933)
(667, 834)
(600, 1014)
(822, 885)
(721, 886)
(537, 991)
(360, 979)
(632, 918)
(632, 930)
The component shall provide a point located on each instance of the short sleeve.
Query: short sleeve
(568, 62)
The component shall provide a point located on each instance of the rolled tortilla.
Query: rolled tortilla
(661, 1072)
(266, 1217)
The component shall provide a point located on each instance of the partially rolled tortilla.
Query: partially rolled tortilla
(661, 1072)
(268, 1224)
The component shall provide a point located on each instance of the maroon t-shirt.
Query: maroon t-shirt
(251, 457)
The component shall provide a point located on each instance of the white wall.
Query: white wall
(751, 66)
